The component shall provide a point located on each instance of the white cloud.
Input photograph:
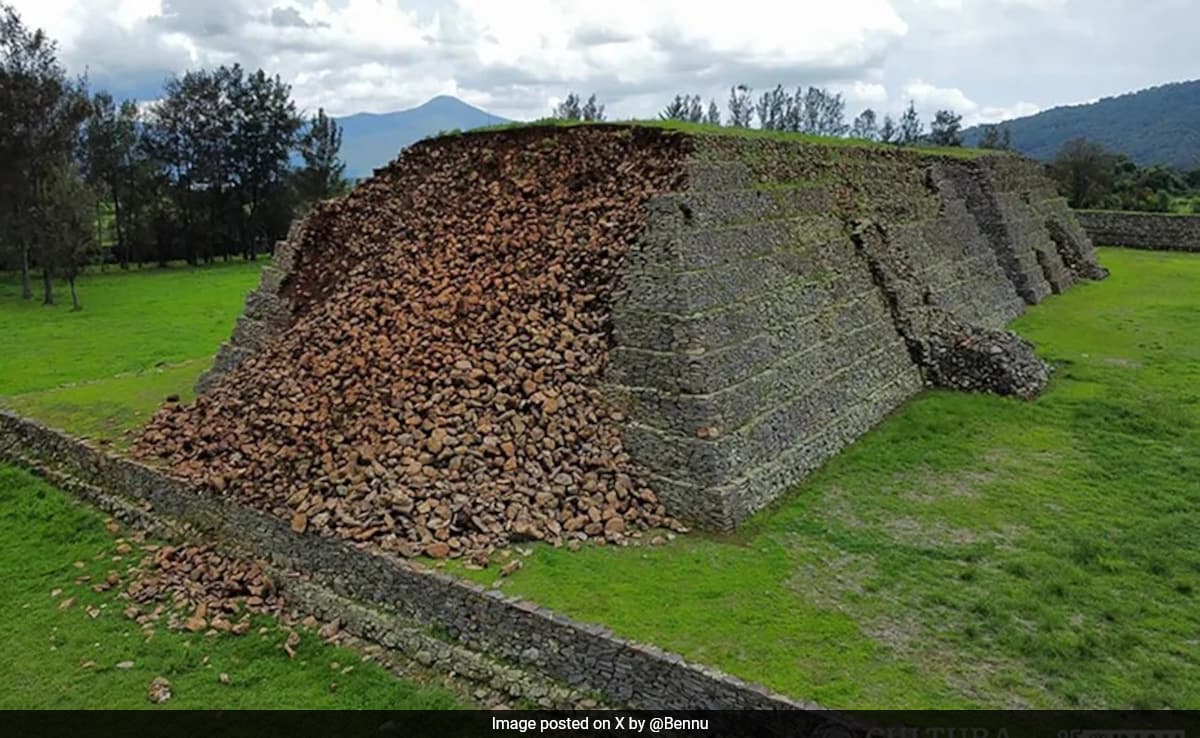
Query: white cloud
(986, 58)
(379, 55)
(928, 99)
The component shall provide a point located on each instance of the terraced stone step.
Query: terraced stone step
(663, 250)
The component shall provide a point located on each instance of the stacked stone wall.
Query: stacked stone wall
(267, 312)
(1160, 231)
(791, 295)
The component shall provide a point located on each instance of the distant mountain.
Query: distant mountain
(370, 140)
(1159, 125)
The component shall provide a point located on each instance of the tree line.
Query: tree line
(812, 110)
(217, 167)
(1091, 176)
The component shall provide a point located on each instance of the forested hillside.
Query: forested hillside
(1159, 125)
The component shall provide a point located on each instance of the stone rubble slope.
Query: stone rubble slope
(436, 392)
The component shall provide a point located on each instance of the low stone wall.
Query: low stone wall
(533, 638)
(1159, 231)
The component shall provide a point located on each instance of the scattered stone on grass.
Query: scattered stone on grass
(159, 690)
(197, 589)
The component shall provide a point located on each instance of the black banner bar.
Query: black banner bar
(623, 723)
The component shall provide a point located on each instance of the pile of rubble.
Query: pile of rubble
(196, 589)
(436, 391)
(975, 359)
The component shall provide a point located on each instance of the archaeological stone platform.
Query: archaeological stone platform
(788, 295)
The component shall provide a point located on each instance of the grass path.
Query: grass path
(57, 657)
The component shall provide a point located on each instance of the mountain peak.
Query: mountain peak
(370, 140)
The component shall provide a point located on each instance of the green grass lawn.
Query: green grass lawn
(130, 322)
(56, 658)
(972, 550)
(142, 335)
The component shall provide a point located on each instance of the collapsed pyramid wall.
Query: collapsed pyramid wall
(433, 390)
(792, 295)
(765, 303)
(268, 311)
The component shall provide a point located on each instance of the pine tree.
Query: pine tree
(322, 175)
(677, 109)
(912, 130)
(713, 117)
(865, 126)
(946, 129)
(568, 109)
(741, 110)
(592, 111)
(888, 132)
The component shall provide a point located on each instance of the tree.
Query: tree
(793, 111)
(263, 134)
(888, 132)
(996, 137)
(675, 110)
(817, 112)
(832, 118)
(1084, 172)
(186, 133)
(65, 214)
(110, 154)
(865, 126)
(224, 139)
(592, 111)
(741, 110)
(322, 175)
(713, 117)
(772, 109)
(946, 129)
(684, 107)
(568, 109)
(912, 130)
(572, 108)
(40, 113)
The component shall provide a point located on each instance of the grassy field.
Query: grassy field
(130, 322)
(142, 335)
(57, 657)
(971, 551)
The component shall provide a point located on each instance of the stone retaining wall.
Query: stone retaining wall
(1142, 230)
(535, 639)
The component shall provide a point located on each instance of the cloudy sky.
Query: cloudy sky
(987, 59)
